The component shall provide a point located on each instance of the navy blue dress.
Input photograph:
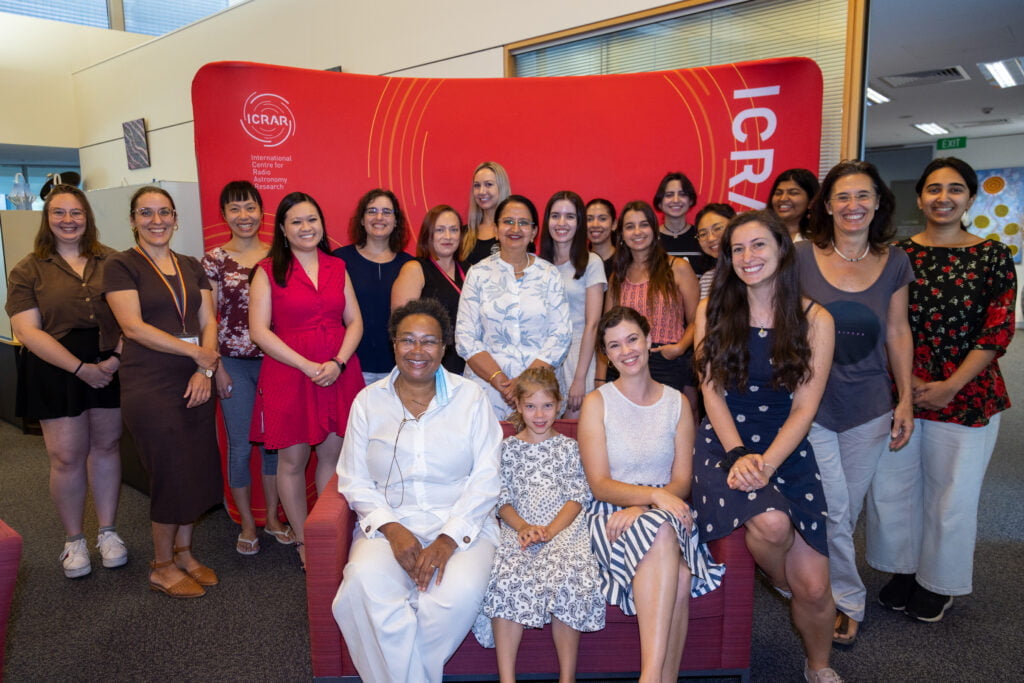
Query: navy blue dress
(759, 413)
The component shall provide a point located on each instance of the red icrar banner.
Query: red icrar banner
(730, 128)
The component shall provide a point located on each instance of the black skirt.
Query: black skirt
(45, 392)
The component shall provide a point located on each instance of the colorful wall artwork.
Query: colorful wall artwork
(998, 210)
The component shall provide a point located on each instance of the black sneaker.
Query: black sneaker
(927, 606)
(896, 594)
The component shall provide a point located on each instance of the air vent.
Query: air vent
(930, 77)
(980, 123)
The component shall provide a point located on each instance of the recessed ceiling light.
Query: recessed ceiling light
(875, 97)
(931, 128)
(1005, 73)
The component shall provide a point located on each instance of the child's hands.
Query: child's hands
(530, 534)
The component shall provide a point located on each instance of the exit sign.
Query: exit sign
(951, 143)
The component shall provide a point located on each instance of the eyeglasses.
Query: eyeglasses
(859, 198)
(408, 343)
(75, 214)
(512, 222)
(714, 231)
(374, 211)
(148, 214)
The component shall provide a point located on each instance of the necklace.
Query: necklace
(676, 233)
(761, 332)
(847, 258)
(519, 272)
(416, 416)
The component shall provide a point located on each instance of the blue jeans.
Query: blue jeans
(237, 419)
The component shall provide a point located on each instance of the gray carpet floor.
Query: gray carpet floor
(110, 626)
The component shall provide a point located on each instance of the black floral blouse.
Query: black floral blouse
(962, 299)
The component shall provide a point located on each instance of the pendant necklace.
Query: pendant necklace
(847, 258)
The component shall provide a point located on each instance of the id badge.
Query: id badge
(190, 340)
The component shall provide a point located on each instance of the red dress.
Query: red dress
(289, 408)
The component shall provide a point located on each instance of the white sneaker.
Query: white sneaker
(826, 675)
(75, 559)
(112, 549)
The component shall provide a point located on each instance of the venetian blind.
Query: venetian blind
(719, 33)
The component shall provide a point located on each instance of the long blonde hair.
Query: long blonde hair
(475, 214)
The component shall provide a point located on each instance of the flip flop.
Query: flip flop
(843, 635)
(283, 537)
(245, 546)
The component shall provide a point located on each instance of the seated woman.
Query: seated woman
(636, 443)
(436, 273)
(763, 353)
(401, 623)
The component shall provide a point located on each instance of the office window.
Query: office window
(703, 36)
(157, 17)
(151, 17)
(85, 12)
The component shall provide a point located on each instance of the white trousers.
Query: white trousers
(922, 510)
(393, 631)
(847, 462)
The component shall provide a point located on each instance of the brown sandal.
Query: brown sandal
(185, 588)
(202, 574)
(845, 635)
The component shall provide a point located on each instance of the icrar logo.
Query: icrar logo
(267, 119)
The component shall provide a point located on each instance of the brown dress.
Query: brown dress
(177, 445)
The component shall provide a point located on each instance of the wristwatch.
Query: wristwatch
(206, 373)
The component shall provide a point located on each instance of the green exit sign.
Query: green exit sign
(951, 143)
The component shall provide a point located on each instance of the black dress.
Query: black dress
(759, 412)
(437, 285)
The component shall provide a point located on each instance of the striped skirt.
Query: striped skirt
(618, 561)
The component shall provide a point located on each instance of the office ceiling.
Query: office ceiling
(907, 37)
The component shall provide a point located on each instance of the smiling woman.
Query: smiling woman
(162, 301)
(304, 315)
(849, 267)
(513, 313)
(422, 549)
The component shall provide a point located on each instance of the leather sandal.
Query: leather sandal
(846, 630)
(185, 588)
(202, 574)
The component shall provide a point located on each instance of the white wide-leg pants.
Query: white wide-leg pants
(393, 631)
(922, 510)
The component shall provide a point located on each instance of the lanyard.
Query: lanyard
(180, 303)
(458, 269)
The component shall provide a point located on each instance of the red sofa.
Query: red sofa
(10, 555)
(718, 642)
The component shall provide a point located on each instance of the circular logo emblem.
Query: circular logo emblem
(267, 119)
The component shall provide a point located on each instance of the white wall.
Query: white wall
(37, 58)
(455, 38)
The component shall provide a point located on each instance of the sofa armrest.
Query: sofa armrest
(328, 535)
(739, 598)
(10, 556)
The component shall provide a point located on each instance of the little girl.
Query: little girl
(544, 570)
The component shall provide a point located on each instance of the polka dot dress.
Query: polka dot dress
(759, 413)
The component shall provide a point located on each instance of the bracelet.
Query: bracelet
(599, 380)
(116, 355)
(341, 365)
(774, 468)
(497, 372)
(732, 456)
(80, 364)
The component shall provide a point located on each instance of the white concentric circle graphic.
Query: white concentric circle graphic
(267, 118)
